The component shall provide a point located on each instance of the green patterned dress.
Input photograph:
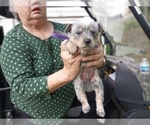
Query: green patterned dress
(26, 61)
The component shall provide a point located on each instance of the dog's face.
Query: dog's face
(84, 34)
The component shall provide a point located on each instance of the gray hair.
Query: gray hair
(11, 8)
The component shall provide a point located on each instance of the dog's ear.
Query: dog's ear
(68, 29)
(100, 28)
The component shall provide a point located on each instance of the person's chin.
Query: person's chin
(37, 16)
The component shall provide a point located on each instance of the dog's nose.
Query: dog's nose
(87, 41)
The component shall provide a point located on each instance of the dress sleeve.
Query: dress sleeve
(17, 66)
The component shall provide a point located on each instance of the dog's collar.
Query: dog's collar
(60, 35)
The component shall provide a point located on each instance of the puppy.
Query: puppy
(84, 36)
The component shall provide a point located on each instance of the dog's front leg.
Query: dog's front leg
(81, 95)
(99, 103)
(99, 92)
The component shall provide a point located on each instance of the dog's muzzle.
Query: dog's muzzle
(87, 41)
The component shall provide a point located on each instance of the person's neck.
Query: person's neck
(41, 29)
(36, 24)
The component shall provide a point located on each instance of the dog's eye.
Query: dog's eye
(93, 32)
(78, 32)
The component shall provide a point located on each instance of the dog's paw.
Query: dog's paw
(72, 49)
(86, 108)
(100, 112)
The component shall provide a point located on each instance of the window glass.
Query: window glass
(125, 32)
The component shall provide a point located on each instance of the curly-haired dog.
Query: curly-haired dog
(84, 35)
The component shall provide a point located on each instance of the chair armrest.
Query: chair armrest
(4, 89)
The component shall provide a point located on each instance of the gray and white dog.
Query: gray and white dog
(84, 36)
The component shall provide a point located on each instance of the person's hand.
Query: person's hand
(71, 62)
(95, 58)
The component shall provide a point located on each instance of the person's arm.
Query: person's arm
(57, 80)
(68, 73)
(17, 65)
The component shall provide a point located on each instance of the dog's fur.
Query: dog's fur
(84, 35)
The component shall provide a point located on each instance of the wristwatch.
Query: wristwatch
(104, 61)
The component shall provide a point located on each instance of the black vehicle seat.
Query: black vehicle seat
(129, 93)
(5, 102)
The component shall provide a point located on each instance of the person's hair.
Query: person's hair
(11, 8)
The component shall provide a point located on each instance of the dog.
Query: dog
(84, 36)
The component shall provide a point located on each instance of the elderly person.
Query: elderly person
(37, 69)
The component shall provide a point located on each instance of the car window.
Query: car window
(123, 29)
(125, 32)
